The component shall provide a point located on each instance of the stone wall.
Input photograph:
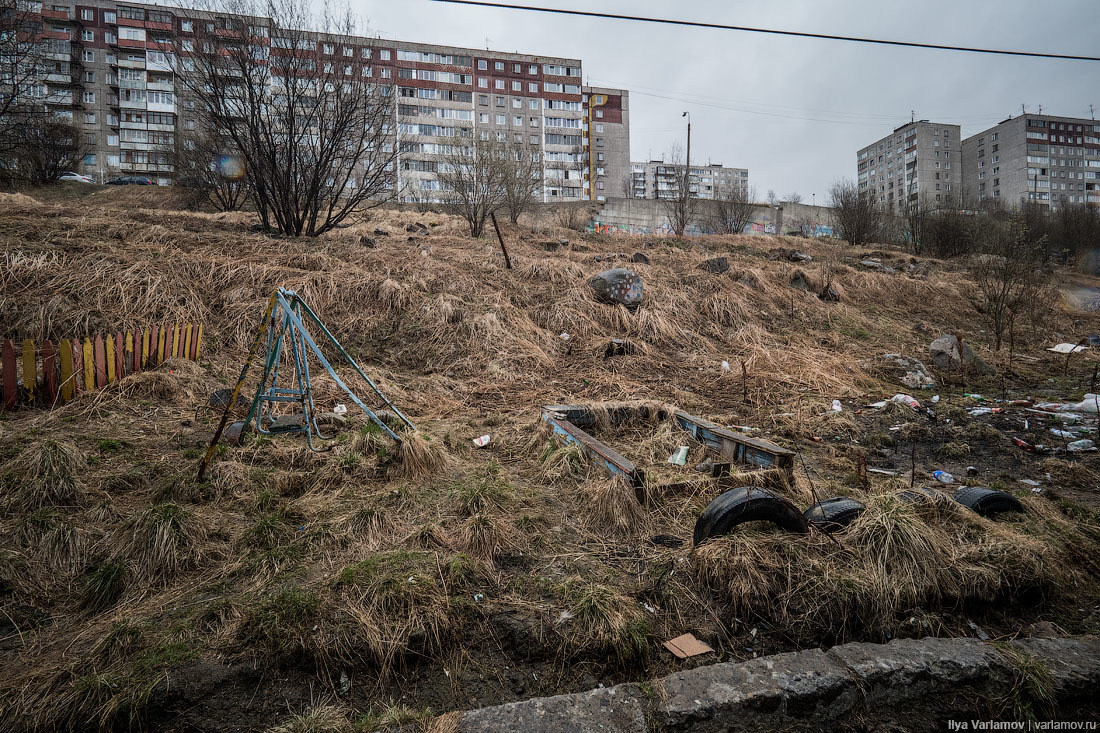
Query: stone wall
(646, 216)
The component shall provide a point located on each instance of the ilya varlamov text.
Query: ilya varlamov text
(1026, 725)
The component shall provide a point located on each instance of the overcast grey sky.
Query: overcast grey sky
(791, 110)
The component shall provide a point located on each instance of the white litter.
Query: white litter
(1079, 446)
(340, 409)
(1089, 404)
(906, 400)
(482, 441)
(976, 411)
(1029, 482)
(1063, 434)
(1067, 349)
(837, 407)
(564, 616)
(935, 399)
(679, 458)
(882, 471)
(564, 336)
(725, 366)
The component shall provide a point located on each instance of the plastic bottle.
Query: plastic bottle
(943, 477)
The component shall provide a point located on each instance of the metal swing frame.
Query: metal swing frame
(284, 324)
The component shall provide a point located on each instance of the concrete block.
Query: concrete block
(617, 709)
(1073, 663)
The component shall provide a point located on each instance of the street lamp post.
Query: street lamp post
(687, 168)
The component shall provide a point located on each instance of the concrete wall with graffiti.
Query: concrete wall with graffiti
(645, 216)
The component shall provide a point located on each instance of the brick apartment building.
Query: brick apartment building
(1047, 160)
(608, 134)
(109, 72)
(656, 179)
(919, 160)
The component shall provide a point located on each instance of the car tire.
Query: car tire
(988, 502)
(834, 514)
(747, 504)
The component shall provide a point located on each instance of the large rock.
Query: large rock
(618, 287)
(717, 265)
(617, 709)
(944, 352)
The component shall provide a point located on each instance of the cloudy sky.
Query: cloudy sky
(791, 110)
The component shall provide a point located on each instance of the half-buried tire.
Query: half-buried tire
(747, 504)
(988, 502)
(834, 514)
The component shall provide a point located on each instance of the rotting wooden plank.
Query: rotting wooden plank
(109, 342)
(78, 367)
(162, 336)
(737, 446)
(129, 352)
(145, 349)
(120, 358)
(596, 451)
(68, 383)
(49, 370)
(100, 362)
(30, 369)
(11, 381)
(197, 346)
(88, 358)
(187, 342)
(175, 339)
(68, 386)
(151, 356)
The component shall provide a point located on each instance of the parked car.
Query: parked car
(131, 181)
(76, 177)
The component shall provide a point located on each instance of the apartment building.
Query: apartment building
(1043, 159)
(111, 74)
(657, 179)
(918, 161)
(608, 139)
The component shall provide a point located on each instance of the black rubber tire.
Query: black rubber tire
(988, 502)
(834, 514)
(747, 504)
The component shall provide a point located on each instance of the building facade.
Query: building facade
(918, 161)
(657, 179)
(607, 132)
(1041, 159)
(110, 71)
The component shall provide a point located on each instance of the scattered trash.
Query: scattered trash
(1027, 425)
(914, 374)
(837, 407)
(943, 477)
(340, 409)
(878, 405)
(1063, 434)
(1029, 482)
(906, 400)
(973, 396)
(978, 411)
(882, 471)
(935, 398)
(1079, 446)
(345, 683)
(1021, 443)
(725, 366)
(618, 286)
(1088, 404)
(479, 597)
(679, 458)
(971, 470)
(1067, 348)
(482, 441)
(742, 428)
(649, 608)
(667, 540)
(564, 616)
(564, 336)
(1037, 490)
(686, 646)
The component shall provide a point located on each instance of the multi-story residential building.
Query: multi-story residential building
(918, 161)
(657, 179)
(608, 140)
(1042, 159)
(112, 73)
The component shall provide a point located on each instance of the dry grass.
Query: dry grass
(46, 474)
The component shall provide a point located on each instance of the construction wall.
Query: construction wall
(647, 216)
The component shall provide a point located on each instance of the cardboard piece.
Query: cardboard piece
(687, 646)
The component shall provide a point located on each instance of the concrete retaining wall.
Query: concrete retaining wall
(646, 216)
(908, 684)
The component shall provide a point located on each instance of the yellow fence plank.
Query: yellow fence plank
(198, 342)
(175, 339)
(187, 341)
(162, 337)
(110, 359)
(145, 348)
(88, 364)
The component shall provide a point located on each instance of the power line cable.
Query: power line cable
(772, 31)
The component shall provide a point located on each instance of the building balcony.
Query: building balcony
(154, 107)
(130, 84)
(132, 63)
(162, 128)
(133, 126)
(130, 43)
(161, 86)
(123, 145)
(56, 14)
(132, 104)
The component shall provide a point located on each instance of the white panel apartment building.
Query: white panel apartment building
(1042, 159)
(110, 74)
(657, 180)
(919, 160)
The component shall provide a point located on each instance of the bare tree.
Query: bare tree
(858, 217)
(793, 198)
(473, 176)
(732, 209)
(626, 186)
(1010, 274)
(24, 63)
(678, 203)
(313, 131)
(772, 198)
(50, 147)
(522, 178)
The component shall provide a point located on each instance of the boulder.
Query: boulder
(876, 266)
(717, 265)
(639, 257)
(944, 352)
(797, 255)
(368, 242)
(381, 233)
(619, 286)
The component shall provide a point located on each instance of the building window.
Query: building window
(501, 119)
(89, 97)
(517, 103)
(482, 64)
(498, 65)
(89, 159)
(517, 86)
(500, 101)
(517, 121)
(498, 83)
(483, 99)
(87, 35)
(89, 118)
(384, 55)
(482, 82)
(87, 14)
(387, 73)
(109, 17)
(328, 49)
(599, 127)
(483, 118)
(599, 114)
(533, 70)
(349, 51)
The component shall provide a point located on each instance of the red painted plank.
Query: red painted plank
(78, 367)
(137, 351)
(120, 358)
(151, 359)
(11, 384)
(100, 363)
(49, 370)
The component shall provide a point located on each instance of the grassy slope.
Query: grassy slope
(508, 572)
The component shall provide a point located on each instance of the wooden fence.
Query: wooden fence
(48, 375)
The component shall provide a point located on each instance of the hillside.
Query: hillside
(368, 589)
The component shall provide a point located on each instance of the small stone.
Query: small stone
(717, 265)
(381, 233)
(410, 228)
(368, 242)
(639, 257)
(798, 255)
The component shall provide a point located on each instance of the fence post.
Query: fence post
(162, 336)
(109, 342)
(198, 341)
(78, 367)
(100, 362)
(67, 383)
(187, 342)
(137, 350)
(49, 370)
(120, 360)
(89, 364)
(30, 369)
